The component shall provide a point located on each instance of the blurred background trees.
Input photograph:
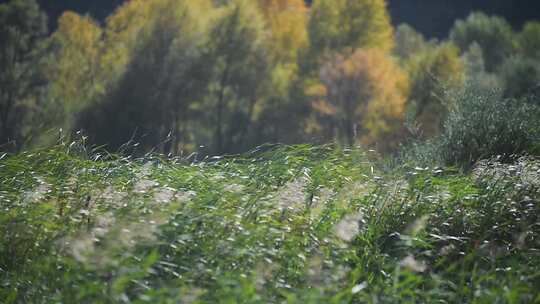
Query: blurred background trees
(433, 72)
(223, 76)
(493, 34)
(22, 30)
(73, 68)
(365, 98)
(346, 25)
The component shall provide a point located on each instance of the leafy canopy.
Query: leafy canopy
(338, 25)
(365, 97)
(22, 29)
(493, 34)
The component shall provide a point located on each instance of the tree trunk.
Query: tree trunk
(219, 115)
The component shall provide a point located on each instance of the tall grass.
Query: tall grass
(298, 224)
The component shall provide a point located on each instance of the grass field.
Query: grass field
(281, 224)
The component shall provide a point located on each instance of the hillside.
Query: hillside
(295, 224)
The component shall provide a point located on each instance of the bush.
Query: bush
(521, 76)
(483, 125)
(480, 125)
(529, 40)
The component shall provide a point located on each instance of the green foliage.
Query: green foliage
(239, 69)
(197, 74)
(409, 42)
(22, 28)
(493, 34)
(72, 70)
(483, 125)
(346, 25)
(165, 73)
(216, 77)
(529, 40)
(475, 71)
(520, 76)
(280, 224)
(295, 224)
(433, 72)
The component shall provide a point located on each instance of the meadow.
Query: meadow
(408, 169)
(280, 224)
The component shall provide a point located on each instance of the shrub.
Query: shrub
(482, 125)
(529, 40)
(521, 76)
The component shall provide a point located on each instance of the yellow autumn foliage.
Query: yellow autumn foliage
(77, 50)
(287, 22)
(127, 27)
(368, 91)
(346, 25)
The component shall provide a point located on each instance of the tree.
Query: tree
(239, 69)
(520, 76)
(22, 29)
(475, 71)
(287, 23)
(122, 32)
(529, 40)
(432, 74)
(150, 100)
(185, 75)
(409, 42)
(493, 34)
(73, 71)
(364, 97)
(278, 112)
(339, 25)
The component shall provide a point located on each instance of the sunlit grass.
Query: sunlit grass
(296, 224)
